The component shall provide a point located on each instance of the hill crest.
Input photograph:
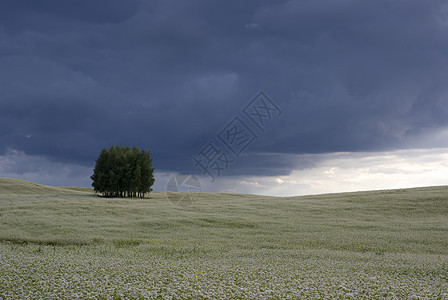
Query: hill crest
(22, 187)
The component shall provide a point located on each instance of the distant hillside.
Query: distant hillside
(79, 189)
(388, 221)
(21, 187)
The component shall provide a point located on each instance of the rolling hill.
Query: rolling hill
(10, 186)
(409, 220)
(66, 243)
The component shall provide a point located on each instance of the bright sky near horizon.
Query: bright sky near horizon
(355, 92)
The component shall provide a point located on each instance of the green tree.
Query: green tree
(123, 172)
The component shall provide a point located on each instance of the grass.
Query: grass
(69, 243)
(79, 189)
(10, 186)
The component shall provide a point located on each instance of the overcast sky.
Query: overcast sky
(349, 87)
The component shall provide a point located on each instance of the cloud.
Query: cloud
(322, 173)
(168, 76)
(38, 169)
(26, 12)
(345, 172)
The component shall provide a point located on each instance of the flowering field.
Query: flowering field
(137, 272)
(382, 245)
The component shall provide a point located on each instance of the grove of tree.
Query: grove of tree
(123, 172)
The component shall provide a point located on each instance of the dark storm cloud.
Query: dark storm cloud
(76, 76)
(23, 13)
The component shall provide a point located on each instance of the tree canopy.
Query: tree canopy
(123, 172)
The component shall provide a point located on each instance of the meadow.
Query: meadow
(69, 243)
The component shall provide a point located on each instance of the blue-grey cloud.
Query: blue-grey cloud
(169, 75)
